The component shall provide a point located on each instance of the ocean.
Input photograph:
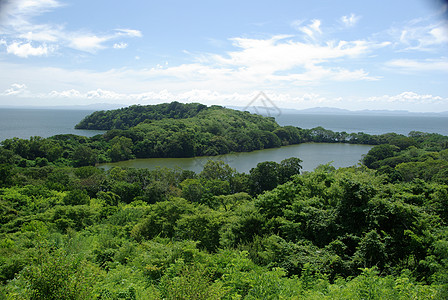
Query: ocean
(371, 124)
(24, 123)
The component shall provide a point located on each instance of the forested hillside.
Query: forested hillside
(74, 231)
(127, 117)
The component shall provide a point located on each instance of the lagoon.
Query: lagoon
(312, 154)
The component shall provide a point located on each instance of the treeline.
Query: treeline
(377, 231)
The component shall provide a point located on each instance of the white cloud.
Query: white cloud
(428, 65)
(129, 32)
(16, 15)
(350, 21)
(420, 35)
(284, 54)
(313, 29)
(72, 94)
(440, 34)
(276, 63)
(408, 98)
(205, 96)
(15, 89)
(42, 34)
(120, 45)
(18, 11)
(33, 7)
(281, 58)
(26, 49)
(19, 29)
(87, 43)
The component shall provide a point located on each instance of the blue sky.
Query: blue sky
(301, 54)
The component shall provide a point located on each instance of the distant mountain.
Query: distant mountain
(94, 107)
(262, 110)
(273, 111)
(322, 110)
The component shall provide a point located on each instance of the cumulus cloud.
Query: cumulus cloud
(19, 31)
(72, 94)
(271, 63)
(350, 21)
(282, 58)
(194, 95)
(26, 49)
(15, 90)
(87, 43)
(120, 45)
(408, 98)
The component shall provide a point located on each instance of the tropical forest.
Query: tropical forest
(70, 229)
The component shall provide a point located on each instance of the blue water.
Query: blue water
(371, 124)
(24, 123)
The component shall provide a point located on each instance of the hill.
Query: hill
(186, 130)
(127, 117)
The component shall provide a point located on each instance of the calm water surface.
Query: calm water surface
(371, 124)
(24, 123)
(312, 154)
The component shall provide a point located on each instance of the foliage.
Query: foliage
(69, 230)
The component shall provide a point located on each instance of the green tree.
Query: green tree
(83, 155)
(161, 219)
(217, 170)
(371, 251)
(203, 226)
(192, 190)
(264, 177)
(76, 197)
(289, 167)
(378, 153)
(57, 275)
(121, 148)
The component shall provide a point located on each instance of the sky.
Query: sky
(345, 54)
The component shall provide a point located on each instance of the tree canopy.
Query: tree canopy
(69, 230)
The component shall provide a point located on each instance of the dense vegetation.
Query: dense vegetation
(127, 117)
(74, 231)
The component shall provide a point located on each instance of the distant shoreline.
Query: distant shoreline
(253, 109)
